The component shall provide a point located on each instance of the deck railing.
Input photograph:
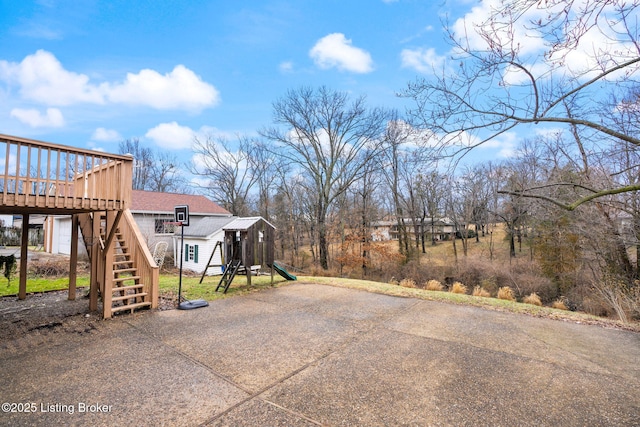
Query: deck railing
(41, 175)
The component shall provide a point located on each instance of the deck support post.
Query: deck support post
(73, 259)
(95, 253)
(24, 253)
(112, 219)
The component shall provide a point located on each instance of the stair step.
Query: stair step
(127, 288)
(122, 279)
(128, 296)
(123, 262)
(122, 254)
(130, 306)
(124, 270)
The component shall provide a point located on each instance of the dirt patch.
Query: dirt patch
(52, 312)
(45, 313)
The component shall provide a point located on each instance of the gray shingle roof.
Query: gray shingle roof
(205, 226)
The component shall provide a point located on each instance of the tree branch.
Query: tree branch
(577, 203)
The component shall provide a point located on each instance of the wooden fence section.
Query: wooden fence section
(50, 178)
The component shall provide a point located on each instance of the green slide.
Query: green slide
(284, 273)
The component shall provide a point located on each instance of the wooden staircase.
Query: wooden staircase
(127, 276)
(127, 292)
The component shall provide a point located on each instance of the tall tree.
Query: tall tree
(142, 161)
(153, 170)
(529, 62)
(225, 170)
(330, 138)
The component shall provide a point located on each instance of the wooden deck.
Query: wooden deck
(95, 189)
(43, 178)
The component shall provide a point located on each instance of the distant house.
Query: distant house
(442, 228)
(152, 211)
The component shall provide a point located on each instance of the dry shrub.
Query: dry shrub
(433, 285)
(559, 304)
(506, 293)
(476, 271)
(532, 299)
(622, 298)
(479, 291)
(458, 288)
(49, 268)
(415, 270)
(408, 283)
(489, 285)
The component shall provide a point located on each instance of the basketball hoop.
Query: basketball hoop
(182, 220)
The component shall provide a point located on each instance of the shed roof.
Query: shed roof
(205, 226)
(151, 201)
(244, 223)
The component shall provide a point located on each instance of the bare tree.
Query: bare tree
(265, 165)
(431, 193)
(519, 67)
(226, 171)
(330, 138)
(152, 171)
(142, 161)
(396, 136)
(164, 174)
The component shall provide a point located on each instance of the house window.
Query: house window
(164, 226)
(191, 253)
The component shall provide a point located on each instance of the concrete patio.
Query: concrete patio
(308, 354)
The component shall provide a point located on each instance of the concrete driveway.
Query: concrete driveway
(307, 354)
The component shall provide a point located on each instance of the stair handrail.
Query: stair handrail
(147, 269)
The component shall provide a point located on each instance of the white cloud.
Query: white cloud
(521, 36)
(422, 60)
(179, 89)
(34, 118)
(40, 77)
(335, 50)
(171, 136)
(106, 135)
(286, 66)
(602, 45)
(505, 144)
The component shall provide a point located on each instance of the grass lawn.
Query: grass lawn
(35, 285)
(489, 303)
(192, 289)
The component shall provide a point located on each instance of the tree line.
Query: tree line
(330, 166)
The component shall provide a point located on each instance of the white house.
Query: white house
(442, 228)
(154, 214)
(200, 239)
(152, 211)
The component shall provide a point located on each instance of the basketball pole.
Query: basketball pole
(182, 217)
(181, 261)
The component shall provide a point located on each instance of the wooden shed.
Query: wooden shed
(248, 242)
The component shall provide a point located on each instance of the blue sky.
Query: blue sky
(92, 73)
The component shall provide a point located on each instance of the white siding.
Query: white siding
(59, 233)
(205, 247)
(147, 226)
